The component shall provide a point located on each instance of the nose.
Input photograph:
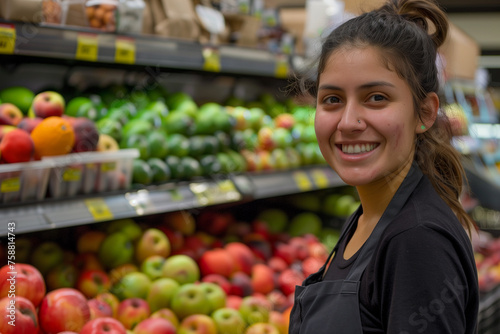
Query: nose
(351, 119)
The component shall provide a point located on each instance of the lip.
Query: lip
(358, 156)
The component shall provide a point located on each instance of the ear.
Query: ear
(428, 114)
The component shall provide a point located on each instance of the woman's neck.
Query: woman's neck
(375, 197)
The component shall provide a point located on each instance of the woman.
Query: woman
(404, 262)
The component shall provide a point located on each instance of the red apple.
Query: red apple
(261, 328)
(262, 278)
(90, 241)
(10, 114)
(132, 311)
(197, 324)
(86, 135)
(284, 121)
(286, 252)
(99, 309)
(4, 129)
(301, 247)
(17, 146)
(93, 282)
(155, 326)
(63, 309)
(233, 301)
(18, 316)
(216, 261)
(111, 300)
(167, 314)
(220, 280)
(318, 250)
(28, 282)
(261, 248)
(182, 221)
(241, 284)
(88, 261)
(28, 124)
(288, 279)
(242, 256)
(277, 264)
(106, 325)
(278, 300)
(152, 242)
(311, 265)
(214, 223)
(181, 268)
(47, 104)
(175, 238)
(276, 318)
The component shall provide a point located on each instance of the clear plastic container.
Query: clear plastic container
(90, 172)
(102, 14)
(23, 182)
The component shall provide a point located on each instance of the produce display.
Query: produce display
(176, 138)
(179, 272)
(487, 255)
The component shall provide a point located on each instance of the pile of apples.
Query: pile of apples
(174, 273)
(487, 256)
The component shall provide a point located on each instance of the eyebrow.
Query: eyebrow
(364, 86)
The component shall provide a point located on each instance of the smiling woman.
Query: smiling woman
(405, 252)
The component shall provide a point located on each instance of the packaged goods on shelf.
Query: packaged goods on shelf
(21, 10)
(90, 172)
(175, 19)
(22, 182)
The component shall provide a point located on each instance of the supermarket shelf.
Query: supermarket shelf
(87, 45)
(52, 214)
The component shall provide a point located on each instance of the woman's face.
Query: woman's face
(365, 121)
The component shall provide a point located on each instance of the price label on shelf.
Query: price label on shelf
(320, 179)
(10, 185)
(211, 58)
(282, 67)
(209, 193)
(7, 38)
(125, 50)
(87, 47)
(302, 180)
(176, 195)
(98, 209)
(72, 174)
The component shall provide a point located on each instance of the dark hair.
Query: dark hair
(400, 29)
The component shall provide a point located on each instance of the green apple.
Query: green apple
(161, 292)
(152, 266)
(152, 242)
(260, 328)
(305, 223)
(46, 256)
(229, 321)
(343, 206)
(127, 225)
(215, 295)
(275, 219)
(64, 275)
(115, 250)
(190, 299)
(132, 285)
(197, 324)
(181, 268)
(255, 309)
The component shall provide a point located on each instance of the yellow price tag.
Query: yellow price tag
(7, 38)
(72, 175)
(226, 186)
(320, 179)
(87, 47)
(302, 181)
(108, 166)
(125, 51)
(10, 185)
(176, 195)
(282, 67)
(98, 209)
(212, 60)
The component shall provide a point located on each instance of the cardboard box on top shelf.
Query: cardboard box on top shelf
(460, 54)
(22, 10)
(293, 20)
(358, 7)
(175, 18)
(148, 26)
(284, 3)
(246, 27)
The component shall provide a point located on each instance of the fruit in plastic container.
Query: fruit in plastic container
(53, 136)
(47, 104)
(10, 114)
(17, 146)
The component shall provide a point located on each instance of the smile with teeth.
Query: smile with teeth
(358, 148)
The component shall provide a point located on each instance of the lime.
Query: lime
(196, 145)
(233, 101)
(250, 139)
(182, 102)
(118, 114)
(128, 107)
(160, 170)
(178, 145)
(157, 143)
(153, 117)
(227, 164)
(191, 168)
(210, 145)
(137, 126)
(19, 96)
(204, 124)
(175, 166)
(139, 98)
(157, 93)
(159, 107)
(178, 122)
(141, 172)
(81, 107)
(239, 162)
(223, 139)
(110, 127)
(223, 122)
(210, 165)
(137, 141)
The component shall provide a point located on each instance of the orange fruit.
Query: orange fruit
(53, 136)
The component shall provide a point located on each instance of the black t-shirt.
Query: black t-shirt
(422, 276)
